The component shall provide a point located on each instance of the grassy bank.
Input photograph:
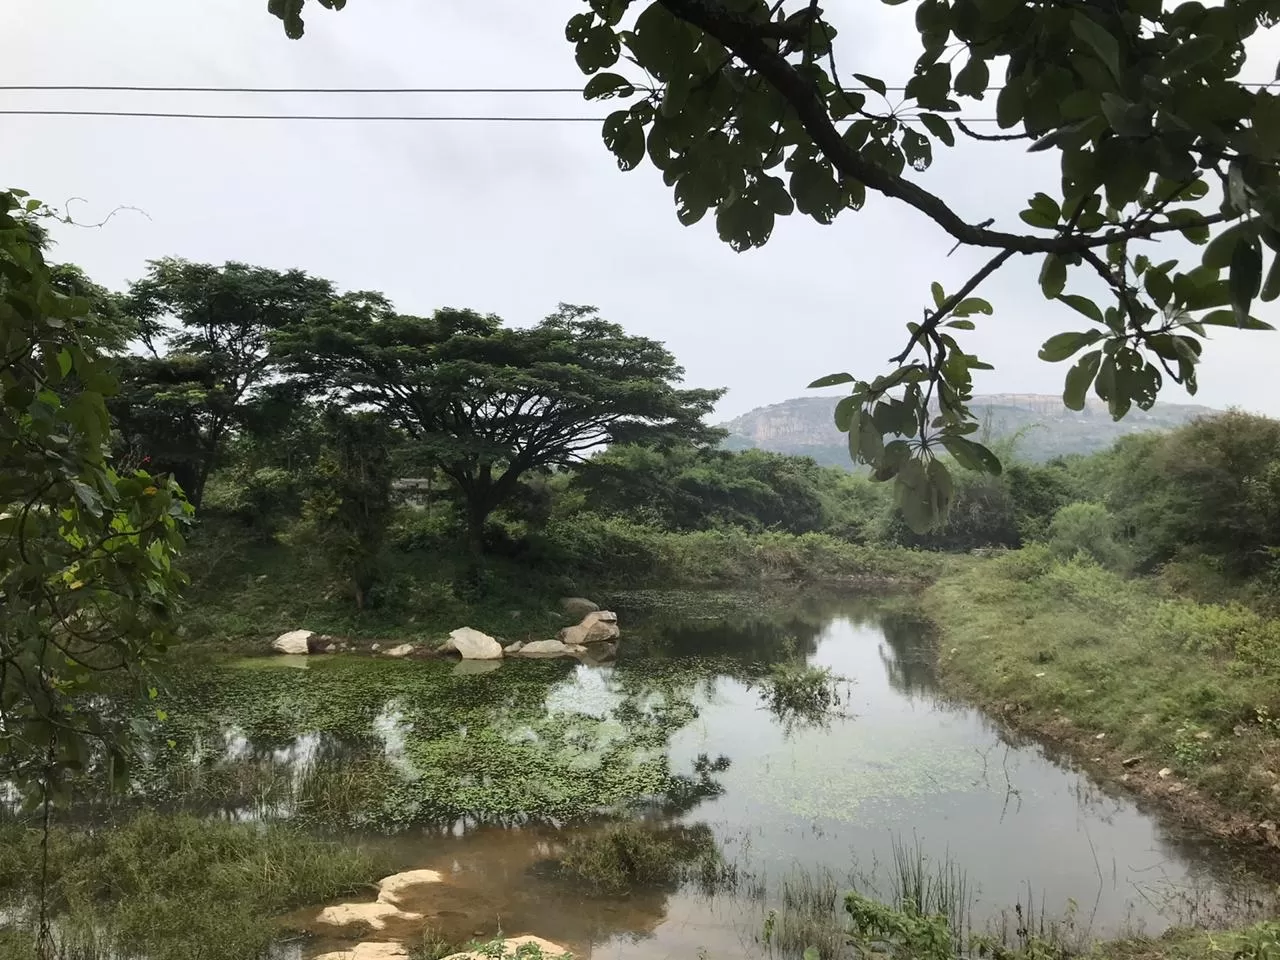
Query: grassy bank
(168, 887)
(246, 588)
(1134, 681)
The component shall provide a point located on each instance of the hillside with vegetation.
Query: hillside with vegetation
(1040, 426)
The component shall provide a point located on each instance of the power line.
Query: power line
(156, 88)
(147, 88)
(380, 118)
(109, 88)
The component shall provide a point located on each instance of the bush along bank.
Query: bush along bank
(245, 588)
(1178, 700)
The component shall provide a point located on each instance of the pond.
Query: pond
(485, 776)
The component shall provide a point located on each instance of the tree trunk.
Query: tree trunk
(477, 514)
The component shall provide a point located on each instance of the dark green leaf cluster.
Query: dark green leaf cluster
(87, 582)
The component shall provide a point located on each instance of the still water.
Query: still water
(898, 767)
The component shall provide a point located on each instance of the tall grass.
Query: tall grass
(931, 887)
(1079, 651)
(168, 887)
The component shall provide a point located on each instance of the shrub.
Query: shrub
(618, 858)
(1090, 529)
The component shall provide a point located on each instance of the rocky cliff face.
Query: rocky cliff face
(1043, 426)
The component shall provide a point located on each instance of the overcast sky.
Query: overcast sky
(509, 217)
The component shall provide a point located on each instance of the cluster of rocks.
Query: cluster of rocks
(593, 639)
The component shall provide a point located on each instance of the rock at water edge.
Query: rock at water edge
(596, 627)
(390, 889)
(544, 648)
(578, 606)
(511, 649)
(401, 651)
(473, 645)
(372, 950)
(375, 914)
(511, 947)
(294, 642)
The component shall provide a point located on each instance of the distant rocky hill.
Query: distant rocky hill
(1048, 429)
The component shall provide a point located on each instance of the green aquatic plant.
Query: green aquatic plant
(802, 695)
(354, 743)
(631, 855)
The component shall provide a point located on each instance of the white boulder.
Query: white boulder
(391, 889)
(401, 651)
(294, 642)
(472, 645)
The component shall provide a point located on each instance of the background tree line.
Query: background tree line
(292, 411)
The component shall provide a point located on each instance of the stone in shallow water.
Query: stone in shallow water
(392, 888)
(596, 627)
(401, 651)
(544, 648)
(294, 642)
(472, 645)
(509, 948)
(371, 950)
(375, 914)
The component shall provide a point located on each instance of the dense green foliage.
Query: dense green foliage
(87, 581)
(488, 404)
(215, 326)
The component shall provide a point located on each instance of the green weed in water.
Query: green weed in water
(624, 856)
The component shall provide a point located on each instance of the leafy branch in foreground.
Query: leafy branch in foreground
(87, 580)
(740, 105)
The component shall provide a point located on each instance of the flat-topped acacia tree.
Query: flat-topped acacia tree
(740, 105)
(488, 403)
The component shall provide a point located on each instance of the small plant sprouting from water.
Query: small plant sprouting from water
(801, 695)
(498, 949)
(431, 946)
(930, 888)
(628, 855)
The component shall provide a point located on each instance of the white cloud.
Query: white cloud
(505, 217)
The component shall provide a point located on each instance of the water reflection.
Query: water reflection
(675, 729)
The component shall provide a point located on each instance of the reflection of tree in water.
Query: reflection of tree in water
(909, 658)
(370, 744)
(739, 636)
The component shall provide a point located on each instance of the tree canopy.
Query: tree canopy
(489, 403)
(208, 330)
(741, 107)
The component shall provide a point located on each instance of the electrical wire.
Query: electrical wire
(156, 88)
(365, 117)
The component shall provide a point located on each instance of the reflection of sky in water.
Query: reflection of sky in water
(907, 767)
(904, 767)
